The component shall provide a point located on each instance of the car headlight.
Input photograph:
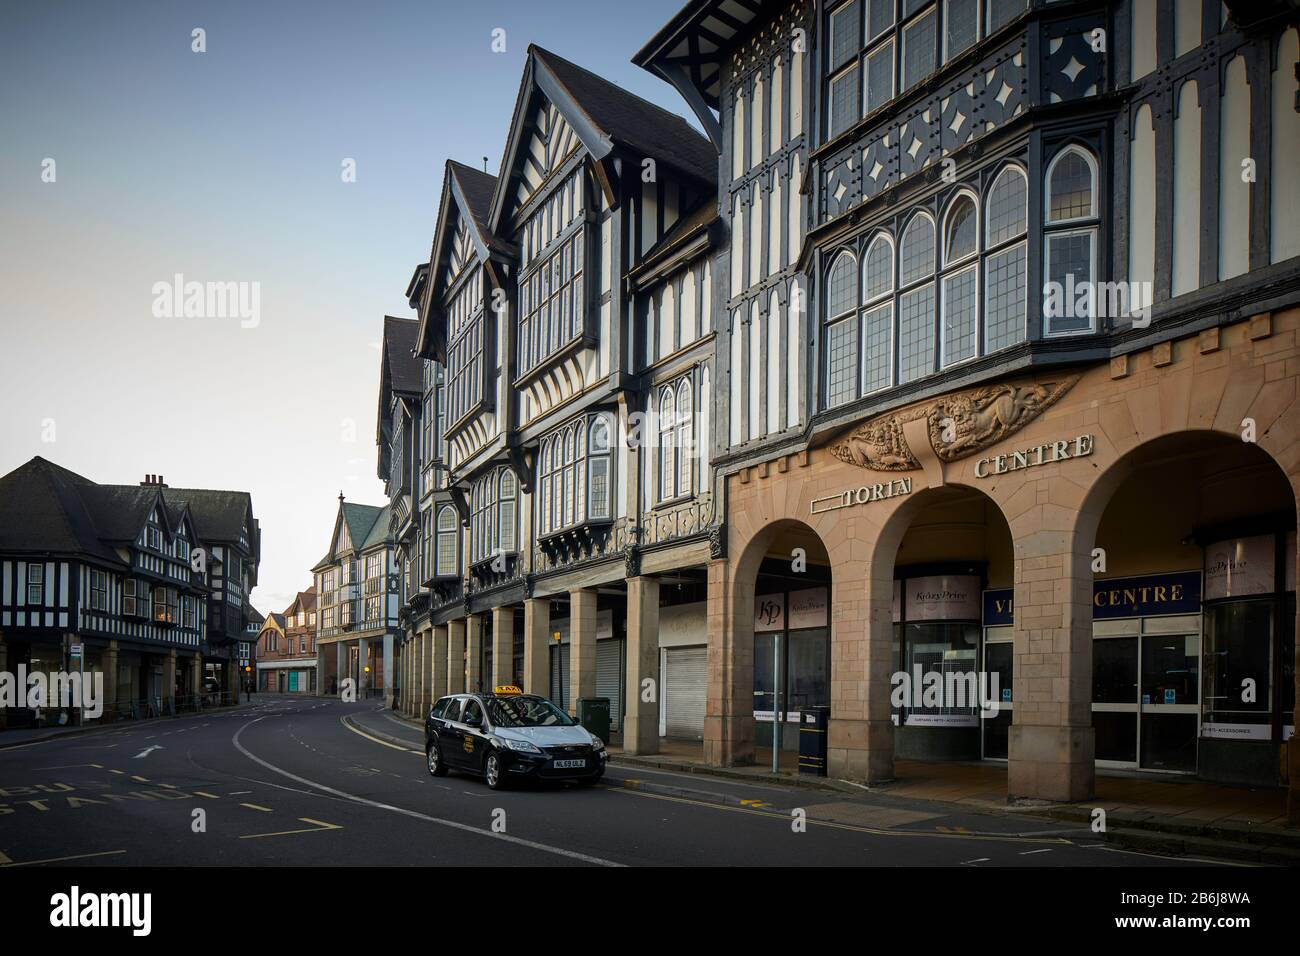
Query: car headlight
(522, 746)
(597, 743)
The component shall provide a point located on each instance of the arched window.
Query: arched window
(1071, 186)
(841, 329)
(959, 316)
(447, 564)
(916, 321)
(685, 424)
(507, 493)
(841, 294)
(1070, 243)
(667, 450)
(599, 488)
(1006, 219)
(878, 317)
(916, 253)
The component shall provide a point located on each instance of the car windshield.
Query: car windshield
(526, 712)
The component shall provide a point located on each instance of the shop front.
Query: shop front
(792, 655)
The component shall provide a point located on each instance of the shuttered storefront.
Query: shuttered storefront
(609, 678)
(686, 679)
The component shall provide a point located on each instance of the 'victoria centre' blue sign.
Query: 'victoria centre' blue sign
(1145, 596)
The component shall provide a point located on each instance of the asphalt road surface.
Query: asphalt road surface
(305, 781)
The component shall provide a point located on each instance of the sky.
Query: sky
(127, 159)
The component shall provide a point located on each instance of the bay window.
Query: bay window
(447, 551)
(574, 475)
(466, 338)
(493, 515)
(676, 448)
(1005, 224)
(960, 294)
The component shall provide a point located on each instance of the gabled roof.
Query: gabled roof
(466, 197)
(402, 370)
(605, 117)
(691, 46)
(42, 509)
(255, 616)
(304, 601)
(366, 525)
(218, 515)
(46, 508)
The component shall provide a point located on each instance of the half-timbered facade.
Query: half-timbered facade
(122, 581)
(569, 307)
(357, 587)
(1067, 223)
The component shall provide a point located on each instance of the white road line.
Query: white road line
(148, 751)
(519, 841)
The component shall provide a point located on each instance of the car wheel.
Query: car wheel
(433, 760)
(493, 772)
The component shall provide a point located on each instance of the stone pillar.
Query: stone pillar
(109, 664)
(426, 673)
(390, 670)
(860, 738)
(4, 666)
(169, 679)
(729, 709)
(340, 665)
(456, 656)
(438, 662)
(582, 646)
(322, 685)
(537, 642)
(196, 674)
(503, 646)
(1051, 745)
(641, 716)
(474, 654)
(408, 675)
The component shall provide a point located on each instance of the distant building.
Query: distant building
(356, 587)
(286, 648)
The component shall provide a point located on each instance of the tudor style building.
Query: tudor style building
(566, 328)
(1008, 337)
(356, 585)
(150, 582)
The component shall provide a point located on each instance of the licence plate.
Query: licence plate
(568, 764)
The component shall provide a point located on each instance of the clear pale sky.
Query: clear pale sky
(226, 166)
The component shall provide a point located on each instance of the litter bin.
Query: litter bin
(813, 724)
(593, 713)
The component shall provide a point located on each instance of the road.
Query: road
(305, 781)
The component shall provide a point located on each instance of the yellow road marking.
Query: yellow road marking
(60, 859)
(385, 743)
(254, 806)
(122, 772)
(167, 786)
(98, 766)
(754, 803)
(777, 815)
(319, 827)
(139, 779)
(204, 793)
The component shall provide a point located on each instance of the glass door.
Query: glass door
(1170, 701)
(997, 663)
(1115, 699)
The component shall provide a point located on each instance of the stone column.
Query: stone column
(456, 656)
(109, 664)
(438, 662)
(582, 646)
(641, 716)
(860, 738)
(729, 710)
(322, 685)
(4, 666)
(169, 679)
(537, 642)
(390, 670)
(1051, 745)
(196, 674)
(503, 646)
(340, 665)
(426, 673)
(474, 653)
(409, 671)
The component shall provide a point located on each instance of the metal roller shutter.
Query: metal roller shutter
(560, 675)
(686, 683)
(609, 678)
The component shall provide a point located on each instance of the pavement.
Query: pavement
(312, 781)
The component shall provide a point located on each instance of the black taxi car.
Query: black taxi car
(509, 736)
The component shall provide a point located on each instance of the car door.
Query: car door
(449, 734)
(473, 741)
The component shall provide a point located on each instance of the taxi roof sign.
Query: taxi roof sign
(506, 690)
